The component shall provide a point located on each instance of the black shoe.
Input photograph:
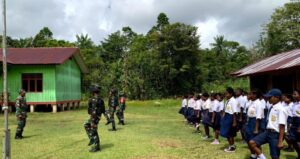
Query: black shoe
(108, 122)
(230, 149)
(113, 129)
(90, 143)
(123, 123)
(17, 137)
(95, 149)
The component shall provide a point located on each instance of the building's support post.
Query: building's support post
(31, 108)
(54, 108)
(68, 106)
(62, 107)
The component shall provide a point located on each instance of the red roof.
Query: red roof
(274, 63)
(34, 56)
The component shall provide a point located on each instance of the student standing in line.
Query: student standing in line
(287, 102)
(276, 126)
(191, 107)
(229, 121)
(198, 113)
(206, 116)
(218, 106)
(183, 105)
(294, 133)
(254, 115)
(241, 105)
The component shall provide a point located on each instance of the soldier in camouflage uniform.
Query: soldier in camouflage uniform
(113, 103)
(120, 112)
(21, 113)
(95, 109)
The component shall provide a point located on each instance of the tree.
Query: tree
(282, 33)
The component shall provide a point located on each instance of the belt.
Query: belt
(271, 130)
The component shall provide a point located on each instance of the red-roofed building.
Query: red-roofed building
(279, 71)
(50, 76)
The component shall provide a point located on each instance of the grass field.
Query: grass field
(154, 130)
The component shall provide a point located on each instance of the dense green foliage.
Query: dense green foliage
(282, 33)
(168, 60)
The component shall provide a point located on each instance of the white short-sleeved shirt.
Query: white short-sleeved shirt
(217, 107)
(184, 103)
(221, 105)
(278, 115)
(198, 104)
(241, 102)
(231, 106)
(296, 110)
(268, 105)
(255, 110)
(288, 107)
(263, 103)
(207, 105)
(249, 102)
(191, 103)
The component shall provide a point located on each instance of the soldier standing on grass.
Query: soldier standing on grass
(21, 113)
(120, 112)
(96, 108)
(113, 103)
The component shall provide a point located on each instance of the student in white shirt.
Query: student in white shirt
(276, 126)
(206, 116)
(254, 116)
(229, 121)
(197, 112)
(190, 111)
(241, 106)
(183, 105)
(218, 106)
(287, 103)
(294, 133)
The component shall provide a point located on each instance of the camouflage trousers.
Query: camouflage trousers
(21, 122)
(120, 115)
(91, 128)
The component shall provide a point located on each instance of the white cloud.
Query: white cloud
(237, 20)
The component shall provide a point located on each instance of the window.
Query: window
(32, 82)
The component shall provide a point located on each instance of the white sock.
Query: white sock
(253, 155)
(262, 156)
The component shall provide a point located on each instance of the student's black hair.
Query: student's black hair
(205, 95)
(297, 90)
(257, 92)
(241, 90)
(198, 97)
(185, 96)
(230, 91)
(289, 96)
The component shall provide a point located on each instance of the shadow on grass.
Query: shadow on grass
(30, 136)
(290, 157)
(106, 146)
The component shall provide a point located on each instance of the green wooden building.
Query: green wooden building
(50, 76)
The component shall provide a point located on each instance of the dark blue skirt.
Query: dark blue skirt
(217, 120)
(206, 118)
(182, 110)
(190, 114)
(293, 132)
(227, 130)
(250, 127)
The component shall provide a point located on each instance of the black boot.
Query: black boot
(95, 148)
(18, 136)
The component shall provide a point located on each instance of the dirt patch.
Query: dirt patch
(168, 143)
(157, 157)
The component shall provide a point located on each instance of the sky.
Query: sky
(237, 20)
